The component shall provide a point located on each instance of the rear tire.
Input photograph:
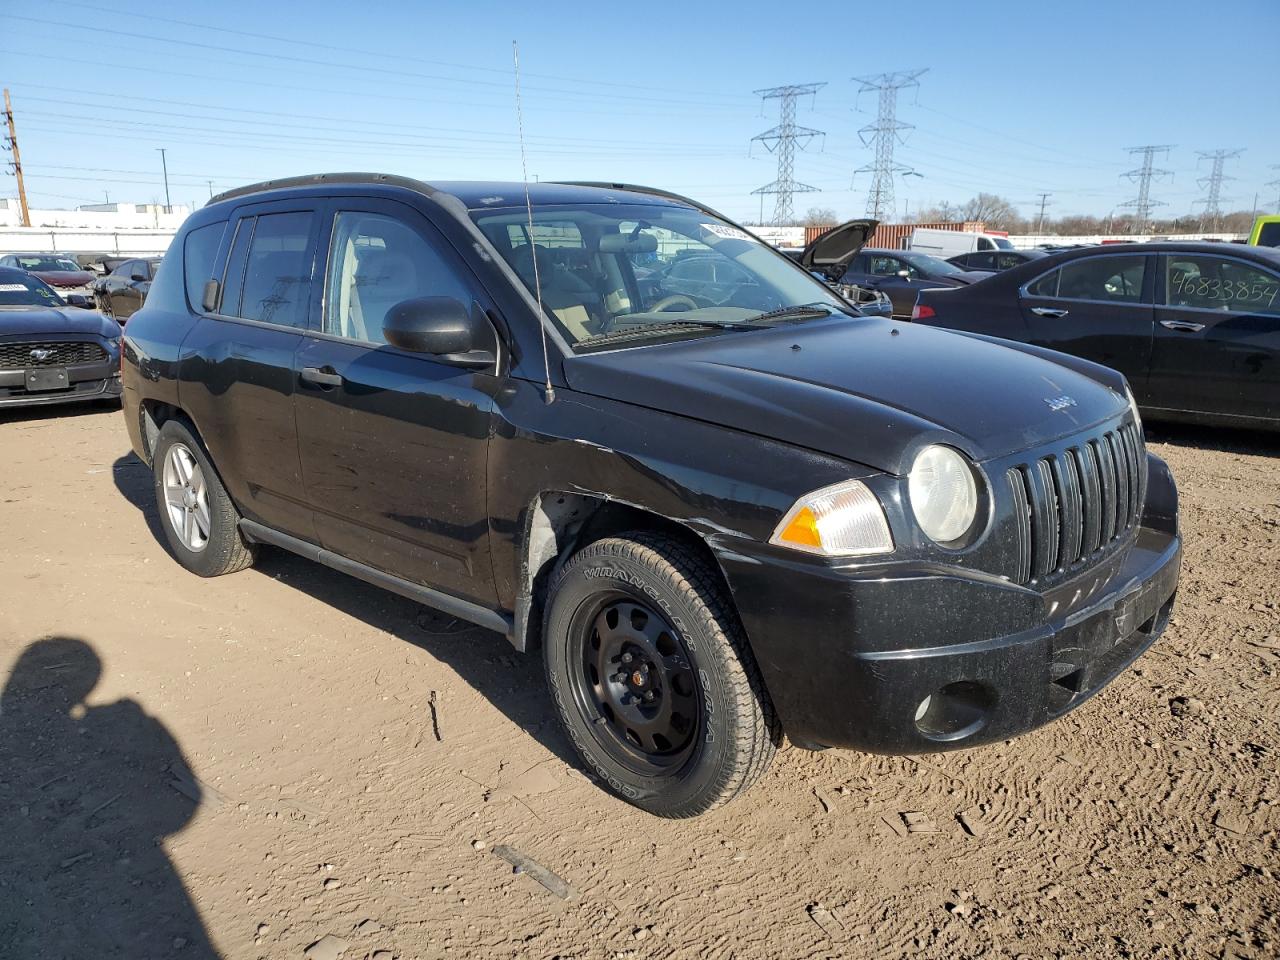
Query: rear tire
(652, 677)
(200, 522)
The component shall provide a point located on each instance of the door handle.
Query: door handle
(1182, 326)
(1054, 312)
(321, 376)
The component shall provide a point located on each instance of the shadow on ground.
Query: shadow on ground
(513, 682)
(1255, 442)
(87, 796)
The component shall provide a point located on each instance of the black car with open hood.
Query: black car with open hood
(610, 424)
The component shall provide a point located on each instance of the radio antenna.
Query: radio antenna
(550, 394)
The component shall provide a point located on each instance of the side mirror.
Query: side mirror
(78, 300)
(905, 274)
(138, 278)
(442, 327)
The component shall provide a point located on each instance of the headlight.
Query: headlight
(843, 520)
(943, 492)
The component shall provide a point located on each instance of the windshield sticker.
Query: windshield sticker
(729, 233)
(13, 288)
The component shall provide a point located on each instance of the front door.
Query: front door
(1096, 307)
(394, 444)
(1217, 337)
(241, 383)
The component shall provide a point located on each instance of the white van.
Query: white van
(944, 244)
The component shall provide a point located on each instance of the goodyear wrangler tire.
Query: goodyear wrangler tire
(652, 677)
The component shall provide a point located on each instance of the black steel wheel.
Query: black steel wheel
(636, 683)
(652, 676)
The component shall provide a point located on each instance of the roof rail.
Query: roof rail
(315, 179)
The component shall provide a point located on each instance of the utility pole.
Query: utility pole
(1044, 202)
(16, 162)
(883, 135)
(165, 166)
(1143, 204)
(210, 182)
(782, 140)
(1213, 183)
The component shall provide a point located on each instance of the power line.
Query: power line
(16, 163)
(884, 134)
(1142, 204)
(782, 140)
(1213, 184)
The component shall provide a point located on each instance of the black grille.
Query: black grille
(17, 356)
(1073, 504)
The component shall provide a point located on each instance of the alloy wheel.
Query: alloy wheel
(186, 498)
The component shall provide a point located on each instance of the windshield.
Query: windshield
(608, 270)
(40, 263)
(922, 261)
(20, 290)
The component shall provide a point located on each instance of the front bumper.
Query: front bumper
(85, 381)
(911, 658)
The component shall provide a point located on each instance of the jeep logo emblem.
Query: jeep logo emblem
(1060, 403)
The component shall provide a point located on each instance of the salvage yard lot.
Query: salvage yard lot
(360, 757)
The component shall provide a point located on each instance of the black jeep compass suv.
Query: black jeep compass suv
(720, 518)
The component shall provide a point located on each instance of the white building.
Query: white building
(99, 216)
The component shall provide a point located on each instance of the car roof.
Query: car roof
(13, 273)
(472, 194)
(1271, 254)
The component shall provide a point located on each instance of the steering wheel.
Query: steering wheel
(674, 299)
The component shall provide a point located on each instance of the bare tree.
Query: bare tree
(995, 211)
(819, 217)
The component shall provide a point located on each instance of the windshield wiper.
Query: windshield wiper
(673, 326)
(803, 311)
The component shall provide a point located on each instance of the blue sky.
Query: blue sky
(1019, 98)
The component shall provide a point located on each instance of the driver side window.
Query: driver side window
(885, 266)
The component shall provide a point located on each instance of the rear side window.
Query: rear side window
(1206, 282)
(198, 253)
(268, 274)
(1269, 235)
(1115, 279)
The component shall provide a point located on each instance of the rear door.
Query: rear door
(1217, 337)
(240, 359)
(394, 444)
(128, 294)
(1097, 307)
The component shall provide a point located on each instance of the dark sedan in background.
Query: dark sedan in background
(995, 260)
(1194, 326)
(59, 271)
(902, 274)
(122, 292)
(50, 353)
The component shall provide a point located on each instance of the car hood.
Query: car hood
(830, 252)
(868, 390)
(26, 321)
(64, 278)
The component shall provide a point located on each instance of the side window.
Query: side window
(981, 261)
(277, 273)
(884, 266)
(985, 244)
(375, 262)
(1008, 260)
(1207, 282)
(198, 252)
(858, 264)
(1115, 279)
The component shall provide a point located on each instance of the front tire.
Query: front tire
(200, 522)
(652, 677)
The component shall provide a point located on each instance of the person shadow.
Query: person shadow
(88, 795)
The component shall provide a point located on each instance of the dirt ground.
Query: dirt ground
(241, 767)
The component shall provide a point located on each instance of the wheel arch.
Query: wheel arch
(557, 524)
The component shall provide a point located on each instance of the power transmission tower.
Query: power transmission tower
(16, 162)
(1044, 202)
(1275, 184)
(1143, 204)
(883, 135)
(1213, 183)
(782, 140)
